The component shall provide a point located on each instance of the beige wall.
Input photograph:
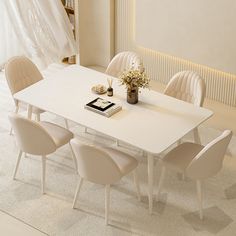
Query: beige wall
(96, 43)
(96, 32)
(200, 31)
(220, 86)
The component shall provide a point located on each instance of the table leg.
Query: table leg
(30, 108)
(150, 181)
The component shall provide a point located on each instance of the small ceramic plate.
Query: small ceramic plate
(99, 89)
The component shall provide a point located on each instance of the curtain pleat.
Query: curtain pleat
(39, 29)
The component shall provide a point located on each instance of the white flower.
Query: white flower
(133, 79)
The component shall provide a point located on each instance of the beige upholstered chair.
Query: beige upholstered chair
(121, 62)
(20, 73)
(196, 161)
(124, 61)
(189, 87)
(102, 166)
(39, 138)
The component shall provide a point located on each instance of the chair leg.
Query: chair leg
(43, 174)
(196, 136)
(17, 164)
(199, 194)
(79, 185)
(37, 117)
(136, 182)
(163, 171)
(150, 182)
(66, 123)
(74, 159)
(16, 112)
(29, 111)
(107, 203)
(25, 155)
(11, 131)
(178, 142)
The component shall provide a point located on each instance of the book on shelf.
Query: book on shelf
(69, 3)
(103, 107)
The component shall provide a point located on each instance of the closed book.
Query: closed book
(103, 107)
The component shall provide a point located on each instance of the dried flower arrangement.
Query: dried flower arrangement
(134, 78)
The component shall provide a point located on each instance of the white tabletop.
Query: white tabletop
(153, 124)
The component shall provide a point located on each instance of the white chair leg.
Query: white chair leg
(74, 159)
(43, 174)
(196, 136)
(79, 185)
(136, 182)
(16, 111)
(11, 131)
(66, 123)
(29, 111)
(17, 164)
(150, 181)
(107, 203)
(163, 171)
(199, 194)
(86, 130)
(178, 142)
(37, 117)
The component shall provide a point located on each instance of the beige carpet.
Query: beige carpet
(176, 214)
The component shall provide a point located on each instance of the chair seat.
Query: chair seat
(60, 135)
(125, 162)
(181, 156)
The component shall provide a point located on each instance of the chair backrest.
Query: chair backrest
(210, 159)
(187, 86)
(124, 61)
(20, 73)
(31, 137)
(95, 164)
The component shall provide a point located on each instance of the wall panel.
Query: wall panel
(160, 67)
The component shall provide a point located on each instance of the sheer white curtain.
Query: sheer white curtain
(39, 29)
(8, 40)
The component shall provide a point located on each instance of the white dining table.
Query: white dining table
(153, 124)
